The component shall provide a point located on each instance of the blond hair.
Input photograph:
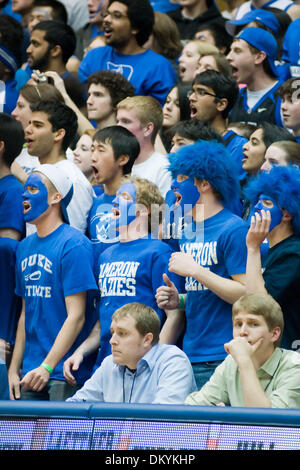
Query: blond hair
(264, 305)
(146, 319)
(147, 109)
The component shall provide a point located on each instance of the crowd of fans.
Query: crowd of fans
(150, 201)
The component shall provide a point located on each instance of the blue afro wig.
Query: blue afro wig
(282, 184)
(209, 160)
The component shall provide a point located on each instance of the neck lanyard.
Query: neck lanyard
(130, 396)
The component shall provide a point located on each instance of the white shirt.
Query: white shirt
(155, 169)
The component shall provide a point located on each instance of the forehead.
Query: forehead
(118, 6)
(34, 179)
(207, 59)
(191, 47)
(41, 117)
(127, 322)
(241, 43)
(38, 35)
(258, 134)
(246, 316)
(41, 11)
(127, 188)
(97, 87)
(128, 113)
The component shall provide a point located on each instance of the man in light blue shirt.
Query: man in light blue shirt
(140, 369)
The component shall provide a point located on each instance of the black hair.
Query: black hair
(122, 141)
(141, 17)
(117, 85)
(273, 133)
(223, 40)
(194, 129)
(222, 85)
(59, 34)
(12, 134)
(11, 36)
(58, 9)
(60, 116)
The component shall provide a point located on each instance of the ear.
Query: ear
(148, 338)
(202, 185)
(55, 198)
(56, 51)
(260, 57)
(2, 146)
(276, 334)
(148, 129)
(123, 160)
(222, 104)
(59, 135)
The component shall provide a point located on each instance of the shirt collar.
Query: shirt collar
(272, 363)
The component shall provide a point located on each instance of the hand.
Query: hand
(5, 350)
(183, 264)
(241, 350)
(14, 385)
(167, 296)
(259, 229)
(35, 379)
(72, 363)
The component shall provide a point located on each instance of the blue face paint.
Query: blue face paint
(187, 190)
(38, 201)
(126, 208)
(275, 211)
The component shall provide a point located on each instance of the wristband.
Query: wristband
(182, 302)
(48, 368)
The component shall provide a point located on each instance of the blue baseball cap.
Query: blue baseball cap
(265, 17)
(263, 41)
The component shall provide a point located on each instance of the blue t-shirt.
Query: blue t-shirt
(220, 246)
(11, 207)
(130, 272)
(49, 269)
(10, 303)
(290, 48)
(10, 96)
(150, 73)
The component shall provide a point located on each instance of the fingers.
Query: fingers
(68, 366)
(260, 222)
(167, 280)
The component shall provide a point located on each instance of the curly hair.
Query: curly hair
(281, 183)
(211, 161)
(118, 86)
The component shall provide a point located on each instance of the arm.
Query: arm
(10, 233)
(174, 324)
(259, 228)
(83, 122)
(242, 353)
(228, 290)
(37, 378)
(17, 357)
(87, 347)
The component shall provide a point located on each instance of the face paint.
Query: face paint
(188, 192)
(35, 197)
(124, 208)
(275, 211)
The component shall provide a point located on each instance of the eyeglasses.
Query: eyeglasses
(116, 15)
(200, 92)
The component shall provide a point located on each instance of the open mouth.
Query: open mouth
(193, 111)
(26, 206)
(28, 141)
(178, 199)
(107, 31)
(116, 213)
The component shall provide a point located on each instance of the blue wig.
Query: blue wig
(209, 160)
(282, 184)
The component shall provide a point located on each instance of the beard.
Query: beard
(42, 64)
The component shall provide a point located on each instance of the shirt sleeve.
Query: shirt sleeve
(213, 392)
(77, 270)
(11, 213)
(286, 393)
(175, 381)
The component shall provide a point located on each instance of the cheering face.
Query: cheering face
(35, 197)
(124, 205)
(185, 191)
(268, 204)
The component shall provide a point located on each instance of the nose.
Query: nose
(113, 339)
(266, 166)
(245, 146)
(243, 330)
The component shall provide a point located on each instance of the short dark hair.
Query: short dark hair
(194, 129)
(122, 141)
(117, 85)
(223, 40)
(60, 116)
(59, 34)
(141, 17)
(12, 134)
(273, 133)
(11, 36)
(58, 9)
(223, 86)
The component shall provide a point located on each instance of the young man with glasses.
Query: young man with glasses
(127, 24)
(212, 97)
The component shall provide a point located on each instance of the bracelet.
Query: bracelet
(182, 302)
(48, 368)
